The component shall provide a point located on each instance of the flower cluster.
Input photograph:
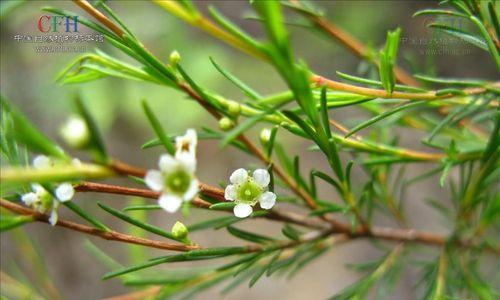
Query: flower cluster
(175, 179)
(177, 183)
(43, 201)
(247, 190)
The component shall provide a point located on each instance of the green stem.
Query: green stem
(17, 175)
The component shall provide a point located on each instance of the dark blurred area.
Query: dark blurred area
(27, 79)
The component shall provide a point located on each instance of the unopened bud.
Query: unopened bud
(75, 132)
(174, 58)
(226, 124)
(179, 231)
(265, 136)
(234, 109)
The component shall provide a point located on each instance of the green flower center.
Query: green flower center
(248, 192)
(47, 201)
(178, 181)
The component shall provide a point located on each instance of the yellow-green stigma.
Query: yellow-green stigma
(248, 192)
(178, 181)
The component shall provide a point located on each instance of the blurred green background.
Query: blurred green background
(27, 79)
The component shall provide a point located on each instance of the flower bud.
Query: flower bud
(174, 58)
(234, 109)
(179, 231)
(265, 136)
(75, 132)
(226, 124)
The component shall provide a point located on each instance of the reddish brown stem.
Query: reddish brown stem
(354, 45)
(385, 233)
(205, 189)
(107, 235)
(85, 5)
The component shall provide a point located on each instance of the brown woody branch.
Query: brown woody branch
(206, 190)
(107, 235)
(213, 192)
(384, 233)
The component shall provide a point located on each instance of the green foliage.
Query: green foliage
(86, 216)
(388, 59)
(24, 132)
(155, 123)
(8, 222)
(456, 120)
(96, 143)
(138, 223)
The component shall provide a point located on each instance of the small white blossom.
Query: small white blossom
(247, 190)
(186, 143)
(42, 162)
(175, 179)
(75, 132)
(42, 200)
(65, 192)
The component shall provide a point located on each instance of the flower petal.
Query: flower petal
(239, 176)
(53, 217)
(187, 161)
(261, 177)
(65, 192)
(167, 162)
(242, 210)
(230, 192)
(267, 200)
(38, 189)
(187, 142)
(42, 162)
(29, 198)
(191, 191)
(154, 180)
(170, 203)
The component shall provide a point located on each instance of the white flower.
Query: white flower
(40, 199)
(246, 191)
(75, 132)
(43, 202)
(42, 162)
(65, 192)
(186, 143)
(175, 180)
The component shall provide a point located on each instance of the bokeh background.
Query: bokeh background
(27, 79)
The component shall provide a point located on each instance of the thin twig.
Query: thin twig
(85, 5)
(353, 44)
(107, 235)
(144, 294)
(391, 234)
(275, 215)
(385, 233)
(430, 95)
